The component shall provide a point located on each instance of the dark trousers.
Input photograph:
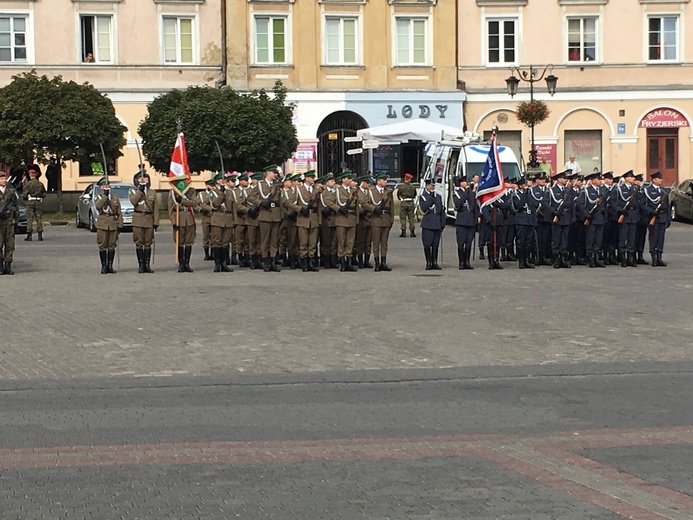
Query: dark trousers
(657, 237)
(626, 238)
(465, 236)
(482, 235)
(594, 237)
(524, 236)
(430, 237)
(327, 236)
(610, 239)
(510, 235)
(559, 238)
(544, 238)
(640, 233)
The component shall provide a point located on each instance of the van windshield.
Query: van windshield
(510, 170)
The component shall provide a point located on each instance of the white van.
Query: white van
(451, 158)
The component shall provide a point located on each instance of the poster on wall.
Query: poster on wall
(303, 159)
(586, 146)
(546, 155)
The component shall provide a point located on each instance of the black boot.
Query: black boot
(660, 262)
(303, 263)
(598, 261)
(429, 264)
(104, 261)
(521, 264)
(294, 261)
(624, 260)
(140, 260)
(557, 261)
(313, 265)
(2, 267)
(592, 262)
(529, 258)
(631, 260)
(481, 253)
(403, 234)
(496, 263)
(216, 255)
(491, 262)
(377, 264)
(511, 255)
(383, 264)
(234, 258)
(255, 262)
(188, 254)
(147, 256)
(8, 268)
(434, 259)
(412, 234)
(503, 255)
(109, 258)
(28, 237)
(286, 262)
(641, 260)
(460, 258)
(565, 262)
(367, 261)
(40, 236)
(342, 263)
(181, 259)
(350, 265)
(335, 261)
(468, 258)
(207, 255)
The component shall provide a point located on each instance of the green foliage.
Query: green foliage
(253, 130)
(531, 113)
(42, 117)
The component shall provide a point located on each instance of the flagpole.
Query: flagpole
(177, 230)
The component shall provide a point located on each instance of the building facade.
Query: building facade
(624, 98)
(131, 50)
(348, 65)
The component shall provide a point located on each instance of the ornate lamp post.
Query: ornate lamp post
(531, 76)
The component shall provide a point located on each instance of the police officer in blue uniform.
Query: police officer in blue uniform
(492, 221)
(525, 222)
(562, 216)
(656, 207)
(539, 199)
(643, 220)
(610, 239)
(626, 203)
(593, 217)
(432, 223)
(464, 199)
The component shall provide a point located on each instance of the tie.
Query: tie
(310, 189)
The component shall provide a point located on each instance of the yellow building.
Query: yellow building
(132, 50)
(348, 65)
(624, 98)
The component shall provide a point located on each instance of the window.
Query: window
(586, 146)
(411, 41)
(502, 40)
(582, 39)
(178, 40)
(270, 39)
(341, 42)
(97, 41)
(663, 38)
(13, 39)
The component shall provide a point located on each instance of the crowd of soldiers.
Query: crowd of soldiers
(595, 220)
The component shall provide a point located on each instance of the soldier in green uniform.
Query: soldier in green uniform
(305, 204)
(181, 213)
(344, 205)
(33, 193)
(241, 234)
(364, 233)
(406, 193)
(253, 205)
(270, 218)
(109, 222)
(288, 234)
(328, 237)
(222, 224)
(145, 220)
(380, 205)
(206, 212)
(9, 213)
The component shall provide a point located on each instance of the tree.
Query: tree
(42, 117)
(253, 130)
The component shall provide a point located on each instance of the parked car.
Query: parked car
(86, 205)
(681, 201)
(20, 226)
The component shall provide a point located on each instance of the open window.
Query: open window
(96, 38)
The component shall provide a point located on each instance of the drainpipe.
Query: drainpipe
(224, 58)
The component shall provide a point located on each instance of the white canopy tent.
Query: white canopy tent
(411, 129)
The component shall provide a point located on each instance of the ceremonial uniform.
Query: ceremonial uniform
(492, 219)
(525, 222)
(205, 206)
(241, 245)
(643, 221)
(576, 235)
(626, 204)
(328, 218)
(593, 217)
(406, 194)
(378, 202)
(562, 217)
(345, 204)
(288, 232)
(656, 207)
(33, 194)
(145, 220)
(432, 225)
(109, 222)
(307, 222)
(181, 213)
(363, 240)
(253, 224)
(610, 239)
(542, 209)
(270, 219)
(466, 221)
(9, 213)
(223, 219)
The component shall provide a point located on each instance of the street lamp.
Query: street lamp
(531, 76)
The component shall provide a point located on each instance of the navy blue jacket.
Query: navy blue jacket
(466, 207)
(627, 204)
(593, 205)
(539, 199)
(656, 204)
(561, 205)
(433, 212)
(525, 212)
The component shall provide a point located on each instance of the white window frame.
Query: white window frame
(113, 39)
(195, 39)
(359, 39)
(679, 39)
(597, 39)
(287, 39)
(29, 36)
(428, 32)
(501, 18)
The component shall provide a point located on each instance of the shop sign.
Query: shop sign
(664, 118)
(418, 111)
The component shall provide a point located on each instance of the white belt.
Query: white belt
(34, 198)
(406, 200)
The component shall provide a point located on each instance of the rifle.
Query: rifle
(623, 215)
(593, 211)
(386, 202)
(657, 211)
(558, 209)
(9, 197)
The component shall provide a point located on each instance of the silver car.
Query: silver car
(86, 206)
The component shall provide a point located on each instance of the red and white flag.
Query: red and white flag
(178, 171)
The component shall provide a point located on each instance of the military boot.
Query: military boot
(468, 259)
(147, 256)
(104, 261)
(28, 237)
(660, 262)
(140, 260)
(434, 259)
(216, 256)
(188, 254)
(427, 253)
(511, 254)
(383, 264)
(40, 236)
(181, 259)
(367, 261)
(342, 263)
(207, 255)
(412, 234)
(641, 260)
(481, 253)
(8, 268)
(521, 264)
(109, 259)
(403, 234)
(377, 264)
(2, 267)
(460, 258)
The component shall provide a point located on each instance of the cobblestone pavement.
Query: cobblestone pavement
(61, 319)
